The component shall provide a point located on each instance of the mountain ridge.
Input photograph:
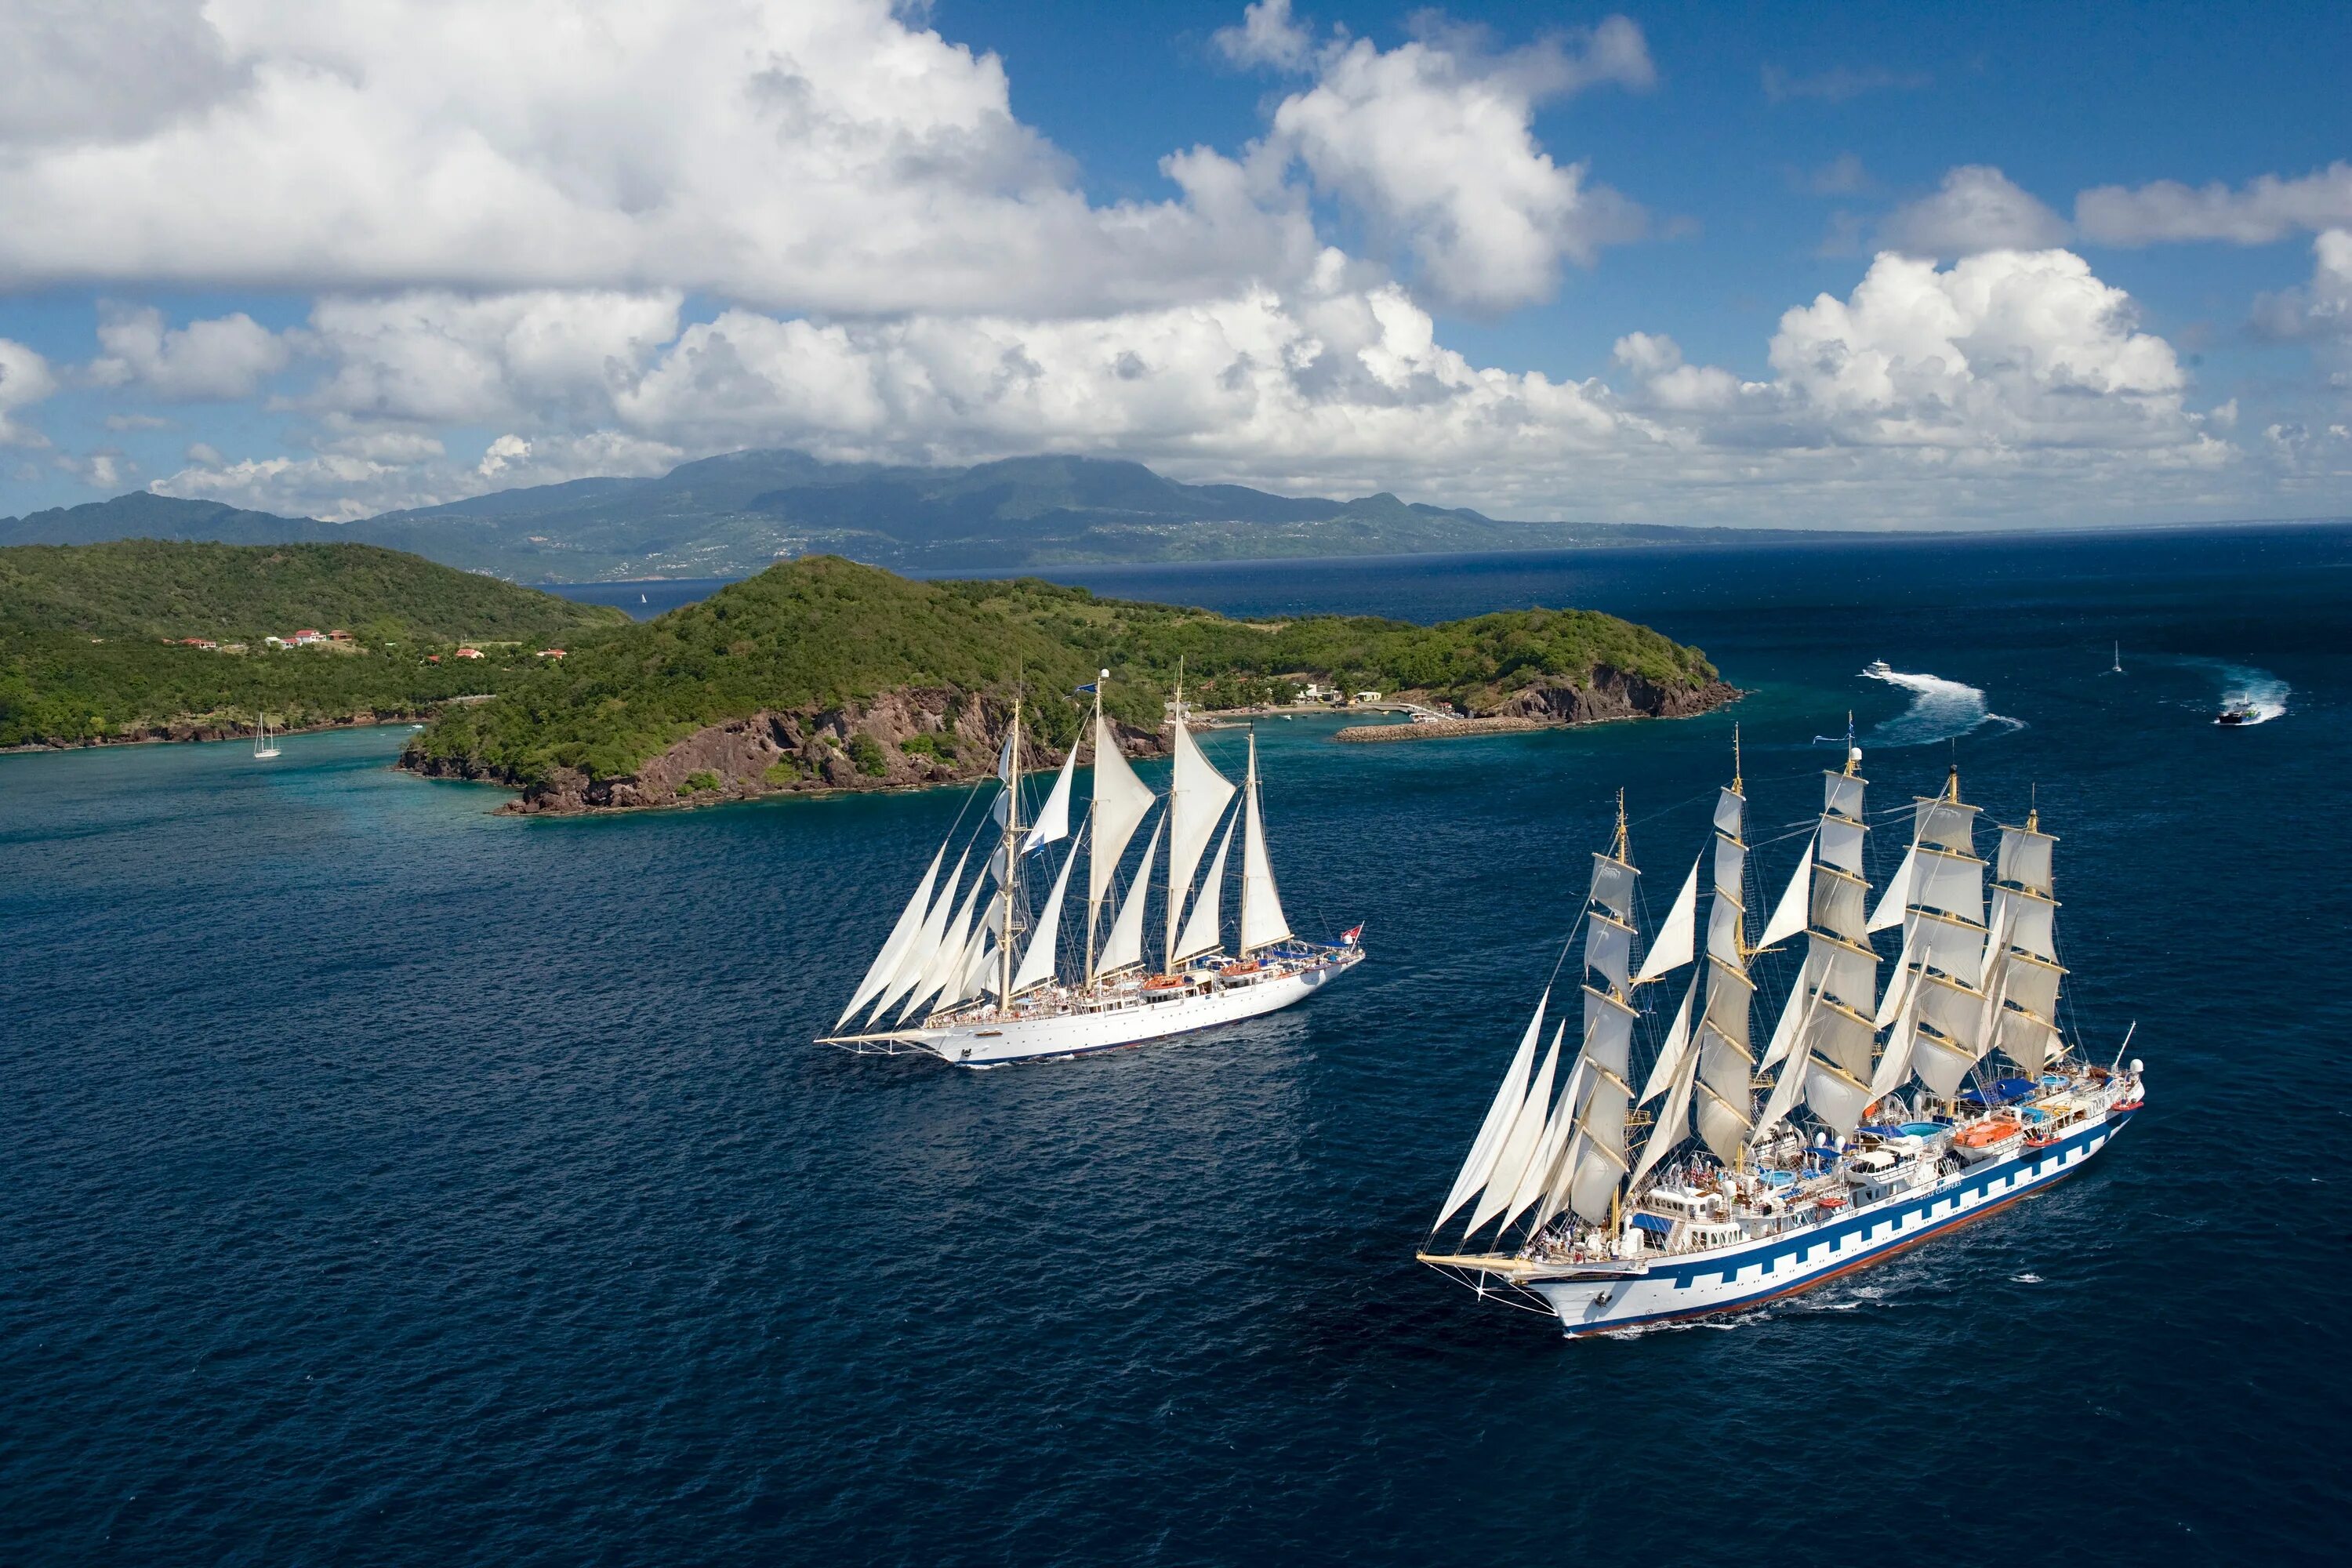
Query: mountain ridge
(738, 512)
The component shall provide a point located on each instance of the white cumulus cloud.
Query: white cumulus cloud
(25, 379)
(222, 359)
(1433, 140)
(1976, 208)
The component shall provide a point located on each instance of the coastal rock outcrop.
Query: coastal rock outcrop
(896, 741)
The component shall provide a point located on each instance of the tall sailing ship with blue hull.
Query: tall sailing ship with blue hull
(1870, 1120)
(980, 978)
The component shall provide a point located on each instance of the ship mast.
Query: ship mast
(1011, 857)
(1094, 808)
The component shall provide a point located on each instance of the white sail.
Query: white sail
(2027, 921)
(2025, 859)
(894, 947)
(2032, 984)
(923, 946)
(1788, 914)
(1945, 823)
(2029, 1042)
(1560, 1122)
(1125, 944)
(1723, 920)
(1956, 1011)
(1520, 1143)
(1894, 1061)
(1838, 901)
(1786, 1093)
(1674, 1121)
(1837, 1097)
(1197, 796)
(1600, 1162)
(1037, 962)
(1952, 883)
(1840, 841)
(1053, 822)
(1842, 797)
(1608, 948)
(1613, 886)
(1513, 1093)
(979, 950)
(1202, 933)
(1730, 805)
(1839, 1036)
(1122, 803)
(1942, 1065)
(948, 956)
(1723, 1105)
(1263, 921)
(1673, 948)
(1843, 972)
(1956, 947)
(1898, 893)
(1730, 862)
(980, 979)
(1728, 995)
(1792, 1013)
(1670, 1054)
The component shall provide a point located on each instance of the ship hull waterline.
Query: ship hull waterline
(1610, 1298)
(992, 1043)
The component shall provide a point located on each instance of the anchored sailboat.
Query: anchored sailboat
(1888, 1120)
(265, 745)
(955, 976)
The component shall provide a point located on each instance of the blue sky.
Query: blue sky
(1822, 266)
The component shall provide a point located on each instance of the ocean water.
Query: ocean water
(389, 1181)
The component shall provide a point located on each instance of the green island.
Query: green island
(147, 639)
(821, 674)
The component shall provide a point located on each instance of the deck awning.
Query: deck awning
(1652, 1223)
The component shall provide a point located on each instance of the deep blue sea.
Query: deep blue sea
(386, 1181)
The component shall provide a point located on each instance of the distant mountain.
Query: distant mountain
(729, 515)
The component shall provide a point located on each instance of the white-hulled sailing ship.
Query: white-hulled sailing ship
(1868, 1122)
(978, 981)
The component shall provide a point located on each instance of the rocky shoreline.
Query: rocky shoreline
(184, 731)
(920, 737)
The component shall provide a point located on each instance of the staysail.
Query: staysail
(1125, 946)
(1263, 921)
(1479, 1167)
(884, 966)
(1201, 933)
(1122, 803)
(1197, 795)
(1037, 962)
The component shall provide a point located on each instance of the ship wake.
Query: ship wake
(2257, 693)
(1940, 710)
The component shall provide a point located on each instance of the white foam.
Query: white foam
(1940, 710)
(2261, 694)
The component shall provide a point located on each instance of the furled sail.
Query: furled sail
(1125, 944)
(1263, 921)
(1037, 962)
(894, 947)
(1508, 1097)
(1674, 946)
(1197, 796)
(1201, 929)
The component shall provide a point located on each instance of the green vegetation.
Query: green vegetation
(701, 780)
(91, 649)
(865, 753)
(823, 632)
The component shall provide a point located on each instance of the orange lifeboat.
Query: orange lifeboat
(1984, 1135)
(1166, 982)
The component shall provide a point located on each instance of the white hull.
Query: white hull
(987, 1041)
(1607, 1297)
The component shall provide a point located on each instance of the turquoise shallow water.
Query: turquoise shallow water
(387, 1181)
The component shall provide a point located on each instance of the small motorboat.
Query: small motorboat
(2236, 714)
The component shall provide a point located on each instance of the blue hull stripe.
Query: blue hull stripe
(1979, 1184)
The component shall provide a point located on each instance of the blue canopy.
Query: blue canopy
(2000, 1093)
(1652, 1223)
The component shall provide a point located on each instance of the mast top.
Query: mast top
(1624, 849)
(1952, 785)
(1736, 779)
(1853, 751)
